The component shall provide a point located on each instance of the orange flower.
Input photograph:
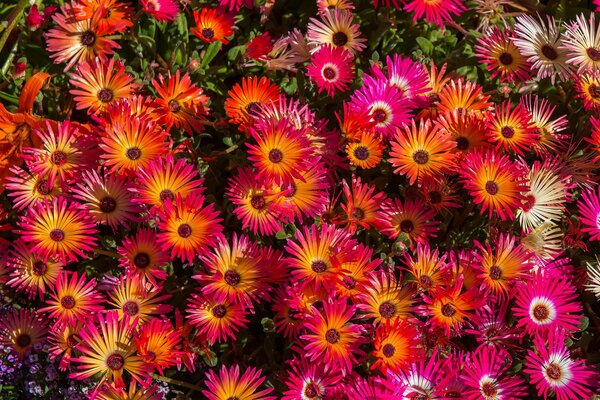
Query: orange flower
(212, 26)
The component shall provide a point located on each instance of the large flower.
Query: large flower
(212, 25)
(21, 330)
(337, 29)
(245, 100)
(228, 384)
(435, 11)
(332, 69)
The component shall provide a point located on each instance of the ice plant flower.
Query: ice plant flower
(361, 205)
(429, 267)
(212, 25)
(142, 257)
(366, 152)
(156, 342)
(384, 299)
(332, 69)
(500, 55)
(21, 330)
(134, 299)
(396, 345)
(582, 42)
(161, 10)
(336, 29)
(228, 384)
(511, 129)
(589, 208)
(245, 100)
(408, 221)
(435, 11)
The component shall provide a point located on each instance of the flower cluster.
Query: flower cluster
(391, 199)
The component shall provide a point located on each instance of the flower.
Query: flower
(156, 342)
(218, 320)
(549, 138)
(161, 10)
(98, 83)
(429, 268)
(133, 299)
(467, 130)
(362, 204)
(553, 370)
(396, 345)
(332, 69)
(511, 129)
(366, 152)
(408, 76)
(27, 188)
(229, 384)
(384, 299)
(63, 339)
(107, 348)
(546, 302)
(589, 208)
(21, 330)
(307, 194)
(435, 11)
(74, 299)
(409, 221)
(463, 95)
(498, 52)
(593, 283)
(142, 257)
(331, 336)
(587, 85)
(356, 272)
(259, 46)
(582, 42)
(58, 230)
(337, 30)
(245, 100)
(212, 25)
(309, 380)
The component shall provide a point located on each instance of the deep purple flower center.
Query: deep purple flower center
(88, 38)
(108, 205)
(58, 158)
(507, 131)
(23, 340)
(388, 350)
(549, 52)
(184, 230)
(115, 362)
(462, 143)
(219, 311)
(593, 53)
(232, 278)
(43, 188)
(421, 157)
(133, 153)
(339, 38)
(329, 73)
(141, 260)
(67, 302)
(387, 310)
(435, 197)
(208, 33)
(275, 156)
(491, 187)
(318, 266)
(361, 153)
(407, 226)
(448, 310)
(57, 235)
(332, 336)
(258, 202)
(105, 95)
(166, 194)
(506, 59)
(131, 308)
(39, 268)
(495, 273)
(174, 106)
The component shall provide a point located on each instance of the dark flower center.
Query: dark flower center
(593, 53)
(387, 310)
(23, 340)
(131, 308)
(318, 266)
(174, 106)
(549, 52)
(361, 153)
(141, 260)
(332, 336)
(553, 371)
(407, 226)
(358, 214)
(58, 158)
(311, 391)
(348, 282)
(67, 302)
(184, 231)
(275, 156)
(541, 312)
(105, 95)
(71, 341)
(425, 281)
(232, 278)
(435, 197)
(489, 389)
(594, 91)
(253, 107)
(43, 188)
(529, 202)
(388, 350)
(329, 73)
(208, 33)
(453, 395)
(339, 38)
(219, 311)
(57, 235)
(39, 268)
(115, 362)
(462, 143)
(448, 310)
(258, 202)
(166, 194)
(88, 38)
(506, 59)
(507, 132)
(379, 115)
(491, 187)
(495, 273)
(420, 157)
(108, 205)
(133, 153)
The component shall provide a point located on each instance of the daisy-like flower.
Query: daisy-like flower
(593, 283)
(115, 16)
(435, 11)
(549, 138)
(384, 104)
(511, 129)
(546, 196)
(407, 221)
(589, 209)
(463, 95)
(30, 273)
(384, 298)
(332, 69)
(228, 384)
(397, 345)
(498, 52)
(337, 29)
(21, 330)
(491, 329)
(541, 42)
(356, 272)
(582, 42)
(107, 198)
(440, 195)
(545, 241)
(307, 194)
(366, 152)
(553, 370)
(236, 5)
(486, 375)
(361, 205)
(546, 302)
(73, 40)
(325, 6)
(74, 299)
(133, 299)
(281, 151)
(156, 342)
(98, 83)
(500, 268)
(245, 100)
(58, 230)
(423, 151)
(309, 381)
(188, 228)
(316, 255)
(143, 257)
(132, 144)
(60, 155)
(161, 10)
(107, 348)
(164, 179)
(331, 336)
(408, 76)
(218, 320)
(212, 25)
(420, 378)
(467, 130)
(180, 103)
(494, 182)
(27, 188)
(234, 273)
(594, 139)
(587, 86)
(108, 392)
(63, 338)
(429, 267)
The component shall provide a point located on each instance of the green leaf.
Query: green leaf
(211, 53)
(281, 235)
(585, 322)
(425, 45)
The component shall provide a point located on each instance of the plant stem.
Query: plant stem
(13, 19)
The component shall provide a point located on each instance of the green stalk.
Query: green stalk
(13, 19)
